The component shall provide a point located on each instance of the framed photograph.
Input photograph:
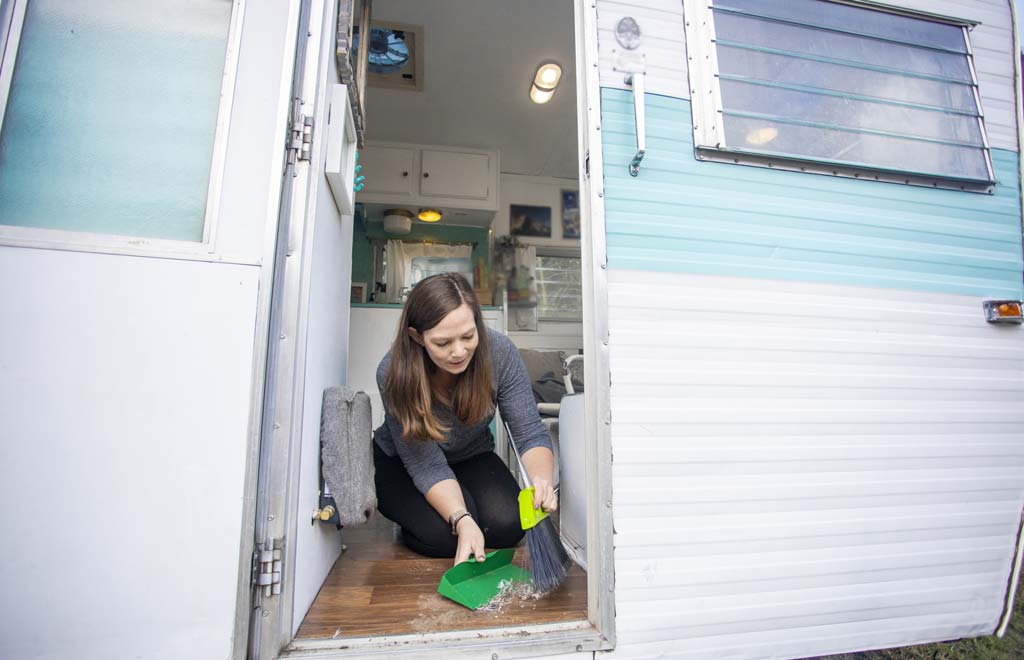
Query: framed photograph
(358, 292)
(526, 220)
(570, 214)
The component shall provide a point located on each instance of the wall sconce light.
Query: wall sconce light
(429, 215)
(544, 82)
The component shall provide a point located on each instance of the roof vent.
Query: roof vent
(393, 56)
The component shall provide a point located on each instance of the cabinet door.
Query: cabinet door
(455, 174)
(388, 170)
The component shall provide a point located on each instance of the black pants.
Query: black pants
(487, 486)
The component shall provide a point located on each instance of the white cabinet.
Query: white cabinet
(388, 171)
(455, 174)
(415, 175)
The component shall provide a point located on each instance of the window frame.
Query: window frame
(709, 125)
(567, 252)
(12, 20)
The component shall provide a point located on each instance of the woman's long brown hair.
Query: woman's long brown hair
(407, 389)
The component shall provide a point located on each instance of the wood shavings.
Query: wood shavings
(510, 592)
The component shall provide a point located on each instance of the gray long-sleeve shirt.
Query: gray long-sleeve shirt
(427, 461)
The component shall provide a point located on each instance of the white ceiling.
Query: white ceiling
(479, 61)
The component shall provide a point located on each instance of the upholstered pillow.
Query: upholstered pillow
(539, 363)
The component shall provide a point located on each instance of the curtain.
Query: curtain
(408, 263)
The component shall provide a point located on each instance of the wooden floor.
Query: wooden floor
(379, 587)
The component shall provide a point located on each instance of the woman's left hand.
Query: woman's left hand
(544, 496)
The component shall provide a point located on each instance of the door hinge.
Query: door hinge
(586, 165)
(300, 141)
(266, 567)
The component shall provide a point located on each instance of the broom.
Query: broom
(549, 562)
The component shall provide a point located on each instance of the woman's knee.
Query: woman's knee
(431, 544)
(502, 530)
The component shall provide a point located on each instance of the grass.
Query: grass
(1008, 647)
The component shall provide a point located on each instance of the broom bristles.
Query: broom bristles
(549, 562)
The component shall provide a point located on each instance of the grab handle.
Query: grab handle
(637, 81)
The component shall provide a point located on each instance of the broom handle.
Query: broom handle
(519, 459)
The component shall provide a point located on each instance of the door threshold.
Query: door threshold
(501, 643)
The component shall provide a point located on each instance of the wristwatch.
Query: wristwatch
(455, 517)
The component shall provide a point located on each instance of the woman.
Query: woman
(437, 475)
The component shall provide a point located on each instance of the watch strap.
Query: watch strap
(455, 517)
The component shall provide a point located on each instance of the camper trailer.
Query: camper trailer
(783, 240)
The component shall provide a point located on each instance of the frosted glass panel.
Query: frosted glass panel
(110, 120)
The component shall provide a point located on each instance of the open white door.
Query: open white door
(309, 337)
(142, 147)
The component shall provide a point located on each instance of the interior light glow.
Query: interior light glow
(538, 95)
(548, 76)
(544, 82)
(429, 215)
(762, 135)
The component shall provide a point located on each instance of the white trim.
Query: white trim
(10, 37)
(138, 246)
(243, 639)
(911, 13)
(220, 137)
(62, 239)
(706, 106)
(510, 642)
(281, 434)
(1018, 553)
(597, 370)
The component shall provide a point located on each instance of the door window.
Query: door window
(109, 115)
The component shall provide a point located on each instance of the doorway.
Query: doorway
(452, 125)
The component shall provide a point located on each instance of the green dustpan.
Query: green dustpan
(473, 584)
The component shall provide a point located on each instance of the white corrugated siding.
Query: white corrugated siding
(802, 469)
(661, 22)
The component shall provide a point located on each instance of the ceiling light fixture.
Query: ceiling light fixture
(544, 82)
(429, 215)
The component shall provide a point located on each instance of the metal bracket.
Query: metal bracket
(637, 82)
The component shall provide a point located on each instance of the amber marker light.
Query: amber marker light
(1003, 311)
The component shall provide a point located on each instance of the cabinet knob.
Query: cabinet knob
(426, 175)
(405, 174)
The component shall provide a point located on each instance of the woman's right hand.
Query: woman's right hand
(471, 540)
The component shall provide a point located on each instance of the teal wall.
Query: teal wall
(364, 232)
(684, 215)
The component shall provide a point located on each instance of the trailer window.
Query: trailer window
(559, 288)
(836, 88)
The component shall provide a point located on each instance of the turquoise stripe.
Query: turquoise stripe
(686, 216)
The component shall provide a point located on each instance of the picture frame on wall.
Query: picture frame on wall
(358, 292)
(570, 214)
(526, 220)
